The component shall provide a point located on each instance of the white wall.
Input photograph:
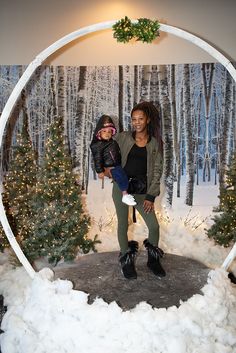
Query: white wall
(29, 26)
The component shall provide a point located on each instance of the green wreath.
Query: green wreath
(144, 30)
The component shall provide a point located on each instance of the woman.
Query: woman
(141, 155)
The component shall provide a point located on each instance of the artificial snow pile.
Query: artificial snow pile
(46, 316)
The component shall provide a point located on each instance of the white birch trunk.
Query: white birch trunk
(136, 85)
(188, 137)
(62, 98)
(154, 86)
(179, 137)
(197, 129)
(176, 147)
(128, 98)
(207, 81)
(225, 129)
(145, 83)
(167, 133)
(121, 99)
(80, 120)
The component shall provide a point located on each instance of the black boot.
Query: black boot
(232, 277)
(154, 255)
(127, 260)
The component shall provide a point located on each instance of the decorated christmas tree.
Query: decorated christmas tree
(18, 187)
(224, 228)
(59, 224)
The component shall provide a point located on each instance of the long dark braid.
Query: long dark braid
(154, 127)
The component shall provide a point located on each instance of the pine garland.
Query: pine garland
(123, 30)
(144, 30)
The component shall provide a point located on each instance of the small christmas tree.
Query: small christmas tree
(224, 228)
(59, 224)
(18, 187)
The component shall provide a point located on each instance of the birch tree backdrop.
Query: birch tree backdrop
(196, 104)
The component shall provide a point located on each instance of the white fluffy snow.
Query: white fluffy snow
(47, 316)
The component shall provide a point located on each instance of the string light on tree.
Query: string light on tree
(223, 231)
(19, 184)
(60, 224)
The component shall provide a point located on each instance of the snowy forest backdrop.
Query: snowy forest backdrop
(196, 104)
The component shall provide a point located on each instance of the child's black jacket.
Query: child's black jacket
(105, 153)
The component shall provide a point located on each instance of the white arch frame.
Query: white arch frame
(40, 58)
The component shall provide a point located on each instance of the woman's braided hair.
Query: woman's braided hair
(154, 127)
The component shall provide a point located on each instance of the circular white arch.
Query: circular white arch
(40, 58)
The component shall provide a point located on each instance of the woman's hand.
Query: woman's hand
(101, 175)
(148, 206)
(107, 172)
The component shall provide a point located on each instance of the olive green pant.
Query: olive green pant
(122, 211)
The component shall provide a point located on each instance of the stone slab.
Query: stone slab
(99, 275)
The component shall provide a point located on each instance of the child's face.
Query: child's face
(106, 133)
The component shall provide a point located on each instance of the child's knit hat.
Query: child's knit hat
(104, 122)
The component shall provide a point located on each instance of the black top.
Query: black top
(136, 164)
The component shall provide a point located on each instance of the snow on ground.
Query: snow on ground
(46, 316)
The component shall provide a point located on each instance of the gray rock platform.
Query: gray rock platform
(99, 275)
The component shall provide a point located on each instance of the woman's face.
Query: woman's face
(139, 121)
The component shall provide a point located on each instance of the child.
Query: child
(106, 154)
